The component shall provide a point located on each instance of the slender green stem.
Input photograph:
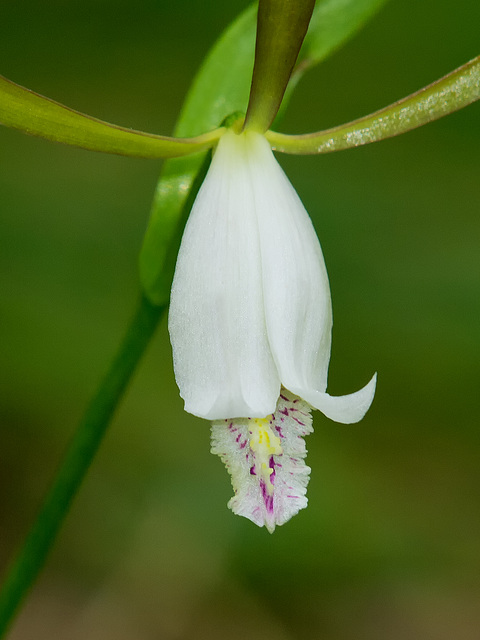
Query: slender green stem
(77, 460)
(281, 28)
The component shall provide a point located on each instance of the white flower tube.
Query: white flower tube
(250, 306)
(250, 312)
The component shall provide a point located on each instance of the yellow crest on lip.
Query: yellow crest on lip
(264, 444)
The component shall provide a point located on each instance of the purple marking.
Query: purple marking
(292, 496)
(269, 504)
(279, 430)
(244, 444)
(237, 439)
(267, 499)
(271, 464)
(284, 411)
(302, 424)
(283, 397)
(252, 471)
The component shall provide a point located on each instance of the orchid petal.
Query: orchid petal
(222, 358)
(295, 282)
(296, 290)
(345, 409)
(265, 459)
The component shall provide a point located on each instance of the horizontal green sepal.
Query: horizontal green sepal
(452, 92)
(36, 115)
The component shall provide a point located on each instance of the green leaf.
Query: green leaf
(220, 88)
(36, 115)
(281, 28)
(452, 92)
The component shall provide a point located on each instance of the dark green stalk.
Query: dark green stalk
(281, 28)
(76, 462)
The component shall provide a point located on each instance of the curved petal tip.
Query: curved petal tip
(345, 409)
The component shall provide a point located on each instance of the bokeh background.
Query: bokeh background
(389, 546)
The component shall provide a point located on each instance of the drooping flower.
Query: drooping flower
(250, 313)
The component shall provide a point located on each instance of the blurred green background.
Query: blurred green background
(389, 546)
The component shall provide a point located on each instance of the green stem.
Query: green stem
(281, 28)
(77, 460)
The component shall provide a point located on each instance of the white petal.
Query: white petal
(222, 358)
(296, 290)
(295, 282)
(265, 459)
(346, 409)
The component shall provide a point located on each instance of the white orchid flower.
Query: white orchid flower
(250, 325)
